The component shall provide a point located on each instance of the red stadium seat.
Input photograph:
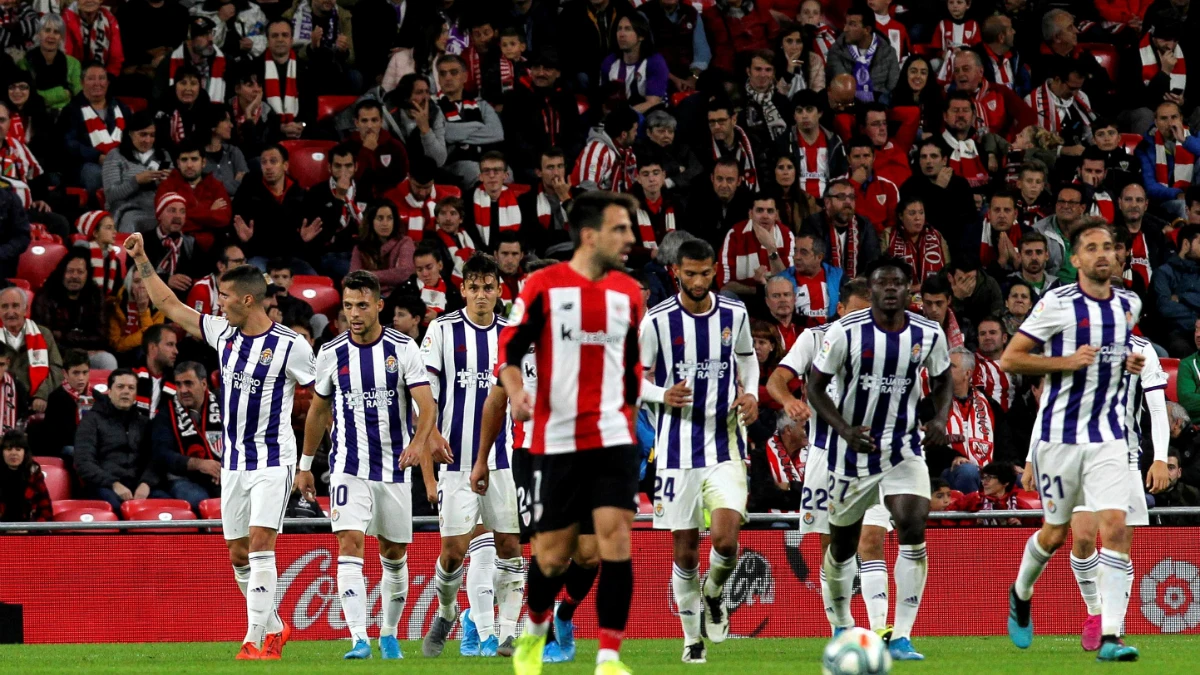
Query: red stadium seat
(98, 378)
(323, 502)
(165, 513)
(308, 161)
(1171, 366)
(1106, 56)
(50, 461)
(134, 103)
(680, 96)
(312, 280)
(100, 200)
(331, 106)
(1131, 142)
(324, 298)
(80, 504)
(58, 482)
(518, 189)
(210, 508)
(133, 506)
(38, 261)
(87, 515)
(582, 104)
(21, 283)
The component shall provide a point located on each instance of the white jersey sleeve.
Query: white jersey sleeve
(1153, 376)
(938, 359)
(212, 327)
(415, 372)
(833, 350)
(1049, 317)
(648, 342)
(326, 373)
(799, 358)
(743, 344)
(431, 354)
(301, 364)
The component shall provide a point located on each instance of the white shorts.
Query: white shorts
(850, 499)
(255, 498)
(372, 507)
(1081, 474)
(1136, 514)
(681, 495)
(460, 509)
(814, 498)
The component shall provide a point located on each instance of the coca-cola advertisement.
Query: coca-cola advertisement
(84, 587)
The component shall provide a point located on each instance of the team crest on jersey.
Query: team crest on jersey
(658, 510)
(726, 337)
(808, 518)
(992, 105)
(265, 357)
(391, 365)
(881, 199)
(1051, 506)
(916, 353)
(826, 347)
(385, 160)
(333, 515)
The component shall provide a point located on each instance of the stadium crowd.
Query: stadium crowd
(802, 139)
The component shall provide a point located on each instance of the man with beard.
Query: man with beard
(72, 308)
(960, 135)
(851, 238)
(996, 384)
(544, 228)
(817, 283)
(755, 248)
(187, 438)
(1068, 213)
(947, 196)
(1148, 248)
(1033, 252)
(173, 254)
(539, 113)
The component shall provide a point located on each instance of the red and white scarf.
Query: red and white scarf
(510, 213)
(100, 137)
(624, 171)
(207, 285)
(1102, 205)
(812, 298)
(1151, 66)
(97, 37)
(434, 297)
(108, 266)
(646, 226)
(174, 245)
(785, 467)
(925, 257)
(133, 317)
(39, 356)
(812, 163)
(973, 420)
(285, 103)
(1139, 257)
(954, 334)
(1001, 66)
(459, 245)
(16, 128)
(352, 211)
(205, 442)
(1184, 160)
(850, 264)
(216, 72)
(995, 383)
(76, 396)
(475, 66)
(824, 39)
(419, 215)
(16, 154)
(743, 153)
(545, 210)
(1051, 110)
(8, 403)
(965, 160)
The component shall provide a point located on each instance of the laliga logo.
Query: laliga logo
(1171, 596)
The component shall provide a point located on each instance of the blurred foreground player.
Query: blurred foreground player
(261, 364)
(583, 318)
(364, 380)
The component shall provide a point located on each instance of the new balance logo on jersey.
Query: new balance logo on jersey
(886, 384)
(569, 334)
(259, 589)
(912, 601)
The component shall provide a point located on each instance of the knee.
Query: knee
(725, 545)
(507, 545)
(910, 530)
(687, 559)
(239, 552)
(553, 564)
(870, 545)
(586, 554)
(262, 539)
(1052, 538)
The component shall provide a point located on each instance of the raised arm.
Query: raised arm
(160, 294)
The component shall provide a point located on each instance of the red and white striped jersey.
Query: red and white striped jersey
(996, 384)
(585, 335)
(785, 468)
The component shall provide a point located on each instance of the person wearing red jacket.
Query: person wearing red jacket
(736, 27)
(999, 493)
(208, 205)
(104, 43)
(891, 152)
(998, 109)
(875, 196)
(382, 159)
(1128, 12)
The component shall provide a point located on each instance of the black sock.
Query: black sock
(579, 582)
(542, 590)
(614, 594)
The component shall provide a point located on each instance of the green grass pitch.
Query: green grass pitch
(946, 656)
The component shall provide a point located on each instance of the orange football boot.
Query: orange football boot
(249, 652)
(273, 643)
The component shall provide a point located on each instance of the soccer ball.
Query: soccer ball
(857, 651)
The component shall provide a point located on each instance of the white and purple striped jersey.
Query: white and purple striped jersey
(372, 412)
(259, 374)
(1152, 377)
(879, 386)
(701, 350)
(1087, 405)
(462, 358)
(799, 360)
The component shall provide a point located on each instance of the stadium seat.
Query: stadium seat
(1171, 366)
(582, 104)
(58, 482)
(87, 515)
(518, 189)
(20, 283)
(308, 161)
(97, 377)
(38, 261)
(1106, 56)
(332, 106)
(645, 508)
(77, 504)
(1131, 142)
(80, 194)
(165, 513)
(680, 96)
(100, 200)
(210, 508)
(324, 298)
(323, 502)
(134, 103)
(50, 461)
(133, 506)
(312, 280)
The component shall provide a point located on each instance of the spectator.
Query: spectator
(509, 255)
(1179, 493)
(785, 454)
(680, 38)
(187, 438)
(1003, 64)
(73, 308)
(977, 296)
(415, 198)
(55, 74)
(1034, 257)
(205, 199)
(755, 249)
(94, 35)
(381, 158)
(173, 253)
(255, 125)
(769, 350)
(816, 152)
(935, 305)
(407, 313)
(471, 126)
(454, 246)
(917, 101)
(816, 282)
(92, 126)
(324, 38)
(876, 197)
(494, 208)
(657, 208)
(1149, 249)
(420, 58)
(283, 82)
(585, 37)
(966, 158)
(1168, 155)
(155, 386)
(1153, 71)
(857, 52)
(222, 159)
(1005, 114)
(1068, 214)
(607, 161)
(106, 260)
(947, 196)
(23, 494)
(1062, 107)
(794, 204)
(999, 492)
(1188, 383)
(634, 72)
(198, 58)
(717, 204)
(729, 141)
(781, 305)
(997, 385)
(14, 398)
(417, 121)
(489, 73)
(852, 240)
(239, 28)
(133, 173)
(679, 162)
(21, 28)
(435, 292)
(1176, 287)
(1061, 39)
(915, 242)
(738, 27)
(31, 121)
(26, 177)
(37, 366)
(974, 424)
(68, 404)
(1017, 304)
(112, 458)
(999, 237)
(130, 314)
(1122, 169)
(544, 209)
(269, 213)
(383, 248)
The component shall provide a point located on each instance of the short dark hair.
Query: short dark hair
(343, 150)
(510, 237)
(1032, 166)
(1104, 123)
(1089, 224)
(493, 156)
(362, 280)
(728, 162)
(1121, 236)
(990, 318)
(936, 285)
(480, 266)
(860, 142)
(1093, 154)
(936, 484)
(191, 367)
(619, 121)
(856, 287)
(248, 280)
(937, 142)
(279, 264)
(426, 248)
(696, 249)
(188, 145)
(513, 31)
(1191, 195)
(120, 372)
(1188, 233)
(650, 157)
(720, 103)
(223, 255)
(552, 152)
(1005, 473)
(1032, 237)
(1004, 193)
(277, 148)
(455, 203)
(413, 304)
(367, 104)
(959, 96)
(587, 210)
(76, 357)
(888, 262)
(153, 335)
(1020, 282)
(867, 14)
